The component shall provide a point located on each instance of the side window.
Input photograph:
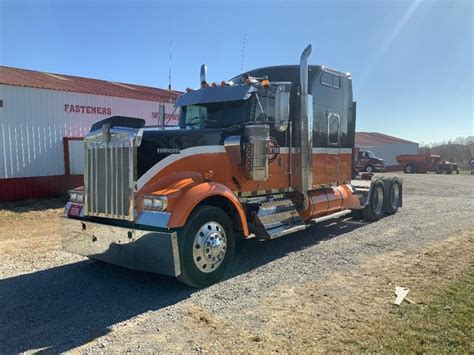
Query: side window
(334, 125)
(326, 79)
(331, 80)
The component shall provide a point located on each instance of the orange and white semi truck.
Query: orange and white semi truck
(265, 154)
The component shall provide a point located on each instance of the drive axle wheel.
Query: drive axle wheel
(206, 246)
(374, 209)
(393, 196)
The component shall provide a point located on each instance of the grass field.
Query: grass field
(443, 324)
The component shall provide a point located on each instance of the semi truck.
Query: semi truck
(365, 160)
(262, 155)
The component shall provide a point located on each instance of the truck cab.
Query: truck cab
(262, 155)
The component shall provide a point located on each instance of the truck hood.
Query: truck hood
(157, 144)
(376, 160)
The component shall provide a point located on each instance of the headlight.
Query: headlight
(147, 203)
(155, 203)
(76, 196)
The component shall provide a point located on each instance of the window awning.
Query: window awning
(216, 94)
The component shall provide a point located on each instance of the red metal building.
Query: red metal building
(385, 147)
(43, 117)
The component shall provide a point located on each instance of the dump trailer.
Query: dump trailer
(262, 155)
(422, 163)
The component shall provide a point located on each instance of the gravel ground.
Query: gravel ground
(55, 301)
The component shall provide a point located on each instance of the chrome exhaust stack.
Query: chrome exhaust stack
(306, 129)
(203, 74)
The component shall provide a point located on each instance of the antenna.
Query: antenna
(169, 69)
(242, 55)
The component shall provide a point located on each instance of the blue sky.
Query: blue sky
(411, 61)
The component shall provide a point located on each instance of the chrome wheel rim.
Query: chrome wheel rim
(395, 195)
(377, 200)
(209, 248)
(368, 169)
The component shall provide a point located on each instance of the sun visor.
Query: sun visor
(216, 94)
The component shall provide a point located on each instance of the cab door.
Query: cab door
(333, 147)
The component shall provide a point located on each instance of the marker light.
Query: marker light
(265, 83)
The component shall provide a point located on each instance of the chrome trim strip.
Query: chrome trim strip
(329, 150)
(331, 216)
(175, 247)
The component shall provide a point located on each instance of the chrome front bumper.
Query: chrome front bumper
(135, 249)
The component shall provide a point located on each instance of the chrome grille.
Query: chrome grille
(109, 176)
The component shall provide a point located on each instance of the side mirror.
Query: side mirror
(282, 108)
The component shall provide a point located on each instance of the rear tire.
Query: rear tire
(374, 209)
(409, 169)
(206, 247)
(393, 196)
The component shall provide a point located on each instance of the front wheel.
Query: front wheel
(206, 246)
(369, 168)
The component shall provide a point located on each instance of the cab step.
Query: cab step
(277, 217)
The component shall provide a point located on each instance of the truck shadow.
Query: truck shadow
(61, 308)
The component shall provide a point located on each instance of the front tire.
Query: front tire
(369, 168)
(206, 247)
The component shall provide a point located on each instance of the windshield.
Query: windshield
(215, 115)
(259, 108)
(265, 105)
(370, 154)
